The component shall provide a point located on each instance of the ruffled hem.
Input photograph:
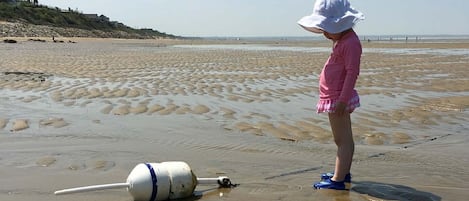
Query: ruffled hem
(329, 106)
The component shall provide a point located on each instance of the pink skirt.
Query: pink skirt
(329, 105)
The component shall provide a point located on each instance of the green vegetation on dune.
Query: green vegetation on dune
(30, 13)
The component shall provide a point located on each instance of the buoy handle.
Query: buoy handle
(92, 188)
(222, 181)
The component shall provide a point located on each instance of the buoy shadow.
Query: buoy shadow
(392, 191)
(209, 192)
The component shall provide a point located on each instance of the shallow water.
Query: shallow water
(256, 47)
(246, 113)
(254, 87)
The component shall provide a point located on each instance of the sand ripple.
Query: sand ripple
(20, 124)
(46, 161)
(55, 122)
(248, 91)
(3, 123)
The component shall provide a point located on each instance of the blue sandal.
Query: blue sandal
(329, 175)
(329, 184)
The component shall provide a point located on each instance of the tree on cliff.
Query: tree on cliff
(25, 12)
(35, 2)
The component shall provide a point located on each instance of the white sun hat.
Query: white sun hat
(332, 16)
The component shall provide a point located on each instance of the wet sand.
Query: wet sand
(76, 114)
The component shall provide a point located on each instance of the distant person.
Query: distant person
(337, 97)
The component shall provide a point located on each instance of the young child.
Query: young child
(337, 96)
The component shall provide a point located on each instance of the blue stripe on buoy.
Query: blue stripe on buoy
(154, 181)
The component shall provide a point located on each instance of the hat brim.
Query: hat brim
(318, 23)
(311, 23)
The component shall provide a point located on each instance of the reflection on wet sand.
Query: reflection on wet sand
(93, 109)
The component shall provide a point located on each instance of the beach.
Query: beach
(87, 112)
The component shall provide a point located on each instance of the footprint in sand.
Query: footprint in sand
(122, 110)
(69, 103)
(76, 166)
(233, 97)
(133, 93)
(201, 109)
(400, 138)
(170, 108)
(246, 127)
(375, 139)
(139, 109)
(3, 123)
(107, 109)
(155, 108)
(274, 131)
(228, 113)
(57, 96)
(103, 165)
(285, 100)
(183, 110)
(294, 130)
(19, 124)
(94, 93)
(121, 92)
(54, 122)
(85, 103)
(124, 102)
(317, 132)
(259, 115)
(46, 161)
(30, 99)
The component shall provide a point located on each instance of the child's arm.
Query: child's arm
(352, 55)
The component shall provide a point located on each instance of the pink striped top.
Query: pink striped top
(340, 72)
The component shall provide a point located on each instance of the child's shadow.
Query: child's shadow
(392, 191)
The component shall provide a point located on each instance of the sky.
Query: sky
(274, 18)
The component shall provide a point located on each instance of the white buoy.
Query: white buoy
(157, 181)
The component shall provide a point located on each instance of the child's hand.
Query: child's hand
(340, 108)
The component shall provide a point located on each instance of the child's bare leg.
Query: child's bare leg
(342, 132)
